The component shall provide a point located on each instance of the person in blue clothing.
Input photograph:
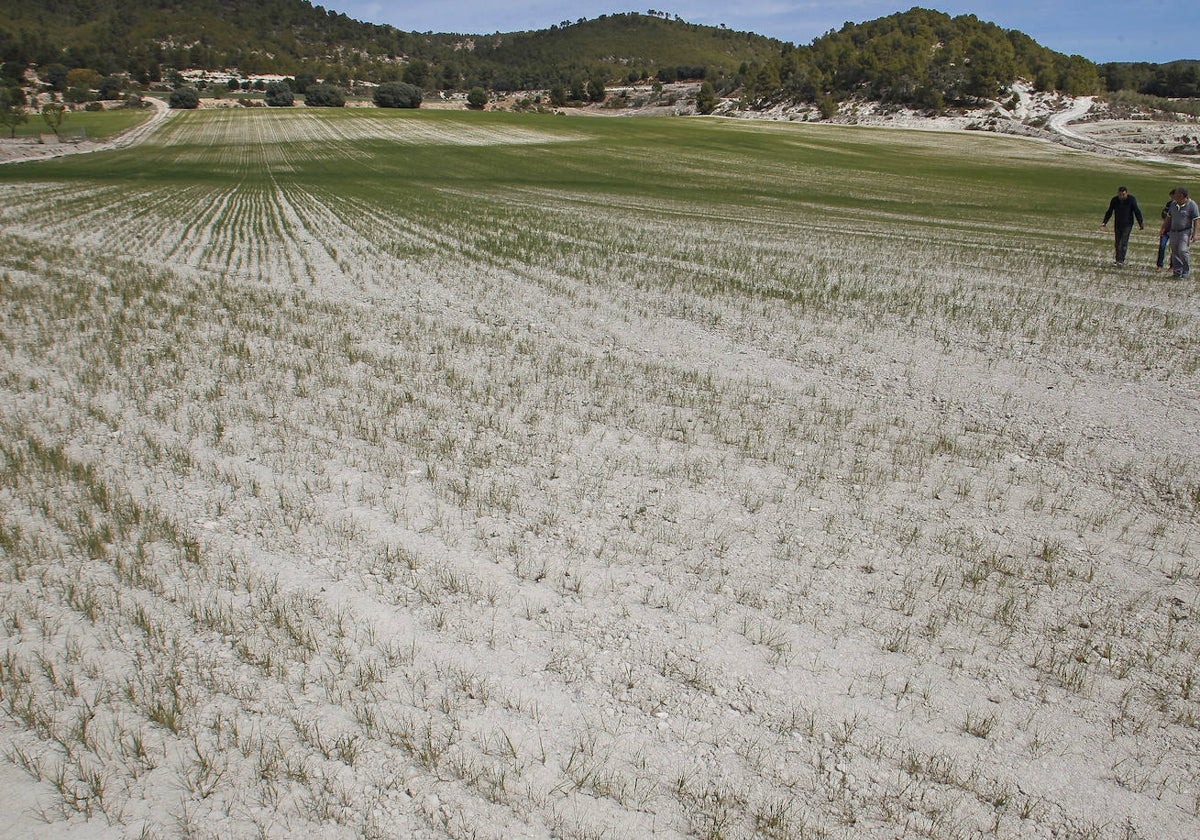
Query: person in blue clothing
(1123, 209)
(1164, 231)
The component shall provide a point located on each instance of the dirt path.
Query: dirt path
(1106, 137)
(17, 152)
(1061, 122)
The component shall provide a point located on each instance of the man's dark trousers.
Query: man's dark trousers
(1121, 241)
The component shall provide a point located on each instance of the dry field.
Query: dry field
(373, 476)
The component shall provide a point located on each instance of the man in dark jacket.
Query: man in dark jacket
(1123, 209)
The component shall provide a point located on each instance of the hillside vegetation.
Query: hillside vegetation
(137, 35)
(919, 58)
(628, 46)
(145, 37)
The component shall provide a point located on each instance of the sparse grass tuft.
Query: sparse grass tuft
(473, 475)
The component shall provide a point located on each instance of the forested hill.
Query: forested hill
(920, 57)
(143, 37)
(628, 46)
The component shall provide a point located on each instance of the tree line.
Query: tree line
(919, 58)
(1174, 80)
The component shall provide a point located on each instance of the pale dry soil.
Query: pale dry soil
(323, 520)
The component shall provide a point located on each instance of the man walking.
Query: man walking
(1184, 215)
(1123, 209)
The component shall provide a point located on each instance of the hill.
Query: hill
(621, 46)
(918, 58)
(143, 37)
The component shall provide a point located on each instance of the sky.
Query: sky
(1100, 30)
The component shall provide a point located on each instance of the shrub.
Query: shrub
(111, 87)
(83, 77)
(595, 90)
(55, 76)
(477, 97)
(184, 98)
(279, 95)
(323, 96)
(303, 82)
(398, 95)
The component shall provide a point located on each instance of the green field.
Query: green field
(943, 176)
(448, 474)
(929, 217)
(96, 125)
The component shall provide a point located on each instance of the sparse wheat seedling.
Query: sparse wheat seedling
(371, 496)
(979, 725)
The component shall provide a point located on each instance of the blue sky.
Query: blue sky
(1101, 30)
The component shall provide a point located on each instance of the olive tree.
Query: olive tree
(184, 98)
(110, 87)
(397, 95)
(477, 97)
(279, 95)
(55, 76)
(303, 82)
(12, 109)
(54, 113)
(323, 96)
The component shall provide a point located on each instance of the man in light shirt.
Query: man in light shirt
(1184, 215)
